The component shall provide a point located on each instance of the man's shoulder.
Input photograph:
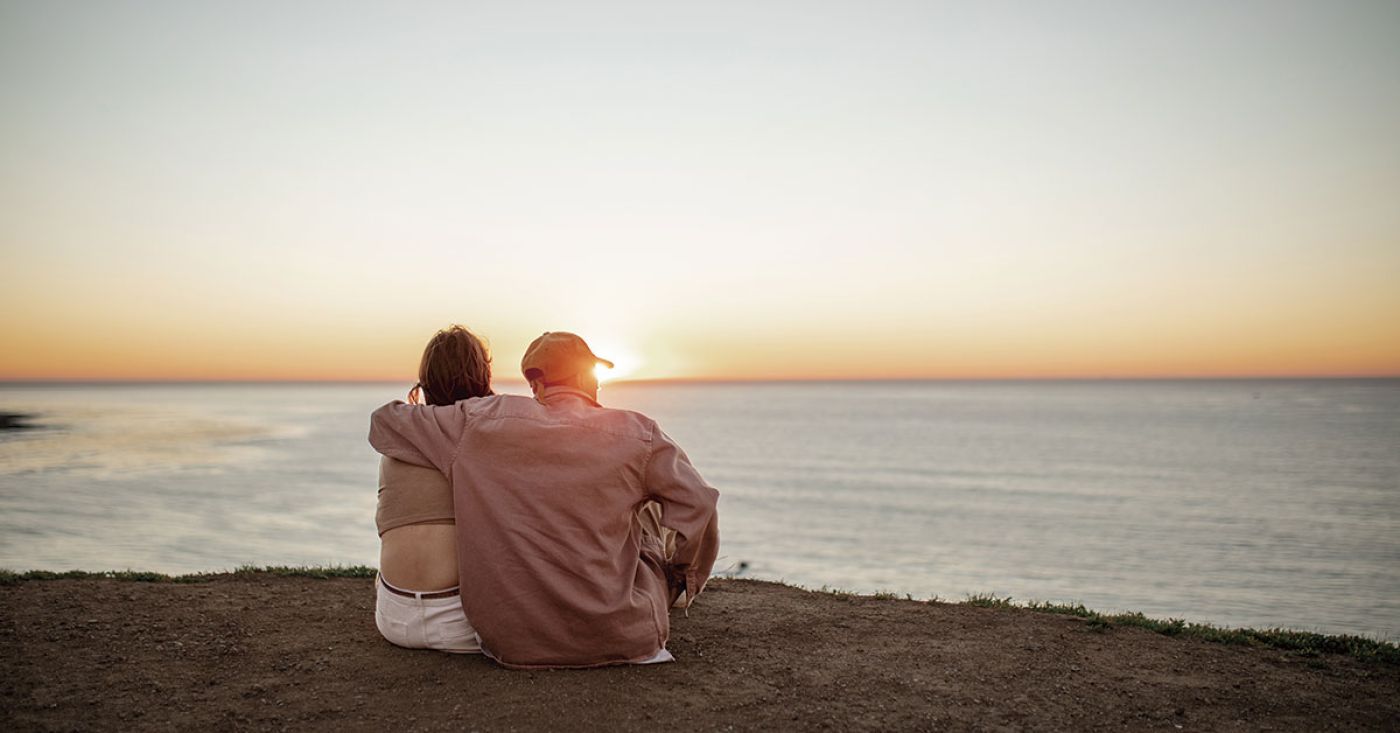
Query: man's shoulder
(623, 423)
(494, 400)
(630, 421)
(498, 405)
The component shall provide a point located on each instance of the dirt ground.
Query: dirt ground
(262, 652)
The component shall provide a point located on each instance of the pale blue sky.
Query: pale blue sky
(1028, 188)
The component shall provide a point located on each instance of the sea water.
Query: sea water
(1235, 502)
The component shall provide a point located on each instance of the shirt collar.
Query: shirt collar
(558, 393)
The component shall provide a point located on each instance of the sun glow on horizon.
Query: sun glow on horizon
(625, 362)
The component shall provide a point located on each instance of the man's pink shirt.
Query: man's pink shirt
(555, 571)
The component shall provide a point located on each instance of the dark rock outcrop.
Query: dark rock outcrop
(16, 421)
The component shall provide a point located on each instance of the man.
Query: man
(560, 553)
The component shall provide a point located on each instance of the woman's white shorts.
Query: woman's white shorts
(436, 623)
(423, 623)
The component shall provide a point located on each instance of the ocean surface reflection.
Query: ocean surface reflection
(1258, 503)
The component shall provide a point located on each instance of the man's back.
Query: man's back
(554, 568)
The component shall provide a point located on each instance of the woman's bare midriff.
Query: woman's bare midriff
(420, 557)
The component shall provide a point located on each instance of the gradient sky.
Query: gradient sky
(308, 190)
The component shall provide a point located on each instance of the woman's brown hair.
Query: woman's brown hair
(455, 366)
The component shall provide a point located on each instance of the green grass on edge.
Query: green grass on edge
(10, 577)
(1304, 643)
(1301, 642)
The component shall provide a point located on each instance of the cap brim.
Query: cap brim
(604, 362)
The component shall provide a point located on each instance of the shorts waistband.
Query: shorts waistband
(454, 590)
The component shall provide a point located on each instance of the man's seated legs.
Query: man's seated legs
(649, 517)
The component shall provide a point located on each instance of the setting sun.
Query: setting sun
(624, 362)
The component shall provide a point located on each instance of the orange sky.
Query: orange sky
(1108, 344)
(946, 192)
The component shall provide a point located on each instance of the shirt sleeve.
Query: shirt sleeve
(690, 507)
(424, 435)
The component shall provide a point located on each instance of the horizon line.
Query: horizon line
(83, 381)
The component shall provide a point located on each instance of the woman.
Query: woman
(417, 602)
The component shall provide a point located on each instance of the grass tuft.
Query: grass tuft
(834, 592)
(987, 600)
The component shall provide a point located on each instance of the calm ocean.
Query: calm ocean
(1254, 503)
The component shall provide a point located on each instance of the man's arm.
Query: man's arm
(424, 435)
(688, 506)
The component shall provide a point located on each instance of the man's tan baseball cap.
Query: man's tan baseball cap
(559, 355)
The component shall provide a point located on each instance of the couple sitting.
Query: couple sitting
(543, 532)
